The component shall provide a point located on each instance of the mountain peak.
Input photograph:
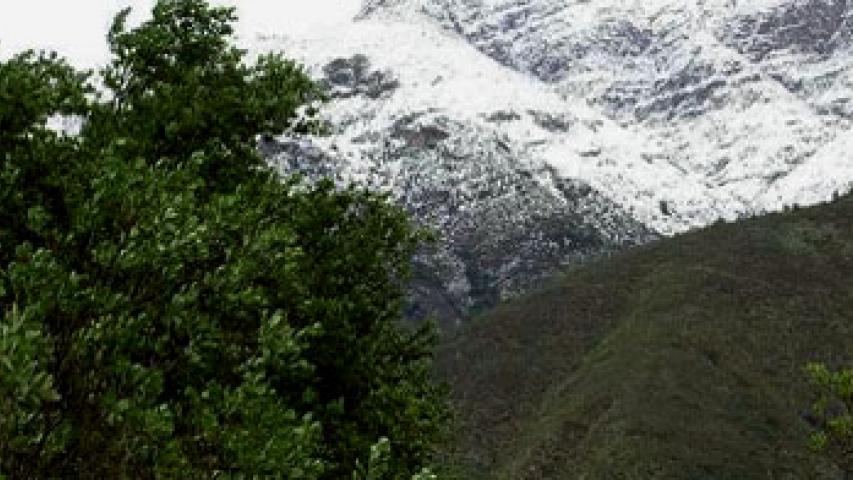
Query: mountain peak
(662, 116)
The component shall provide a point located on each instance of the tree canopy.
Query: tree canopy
(833, 407)
(170, 306)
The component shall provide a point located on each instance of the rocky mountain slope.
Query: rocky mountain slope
(532, 133)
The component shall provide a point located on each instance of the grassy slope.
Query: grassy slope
(682, 359)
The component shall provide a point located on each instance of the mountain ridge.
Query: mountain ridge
(668, 116)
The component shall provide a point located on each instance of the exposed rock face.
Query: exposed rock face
(532, 133)
(502, 224)
(346, 77)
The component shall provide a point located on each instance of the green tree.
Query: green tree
(170, 306)
(833, 434)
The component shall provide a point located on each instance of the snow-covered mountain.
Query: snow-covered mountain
(531, 133)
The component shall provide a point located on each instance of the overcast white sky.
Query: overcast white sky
(77, 28)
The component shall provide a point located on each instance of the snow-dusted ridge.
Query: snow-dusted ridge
(681, 104)
(534, 132)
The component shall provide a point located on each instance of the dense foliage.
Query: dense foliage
(171, 307)
(833, 434)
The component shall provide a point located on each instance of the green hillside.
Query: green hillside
(682, 359)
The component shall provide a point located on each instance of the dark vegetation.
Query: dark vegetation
(682, 359)
(170, 307)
